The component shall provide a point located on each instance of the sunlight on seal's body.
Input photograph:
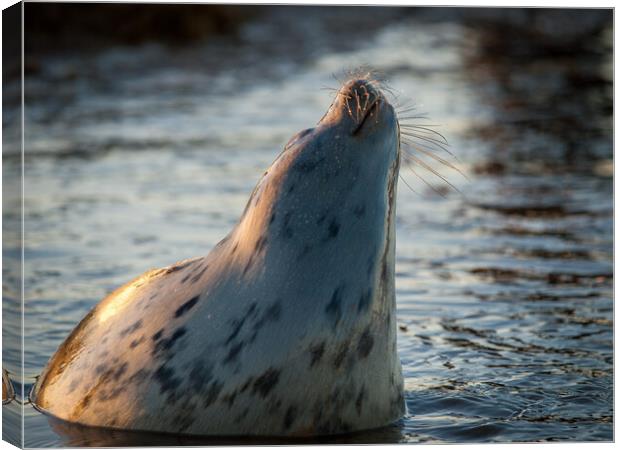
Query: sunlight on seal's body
(287, 328)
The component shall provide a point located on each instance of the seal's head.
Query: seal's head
(360, 118)
(362, 109)
(338, 177)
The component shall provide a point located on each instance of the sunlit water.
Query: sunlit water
(139, 157)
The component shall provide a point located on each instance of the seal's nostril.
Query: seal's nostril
(362, 89)
(360, 98)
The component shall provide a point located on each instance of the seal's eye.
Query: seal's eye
(298, 137)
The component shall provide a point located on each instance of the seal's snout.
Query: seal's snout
(359, 104)
(361, 88)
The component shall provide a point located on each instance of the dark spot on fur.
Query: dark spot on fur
(166, 344)
(230, 398)
(199, 274)
(212, 393)
(342, 353)
(266, 382)
(131, 328)
(237, 324)
(272, 218)
(234, 249)
(74, 384)
(233, 353)
(291, 188)
(166, 379)
(316, 353)
(246, 385)
(253, 337)
(359, 400)
(359, 211)
(272, 314)
(136, 342)
(186, 306)
(321, 219)
(176, 335)
(274, 406)
(333, 308)
(364, 301)
(260, 243)
(332, 229)
(289, 417)
(287, 231)
(307, 166)
(111, 394)
(365, 344)
(158, 335)
(139, 376)
(199, 376)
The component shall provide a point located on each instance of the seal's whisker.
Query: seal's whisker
(405, 109)
(433, 142)
(428, 147)
(423, 180)
(336, 79)
(358, 110)
(367, 95)
(407, 184)
(432, 155)
(430, 169)
(426, 138)
(428, 130)
(416, 125)
(347, 98)
(402, 118)
(384, 86)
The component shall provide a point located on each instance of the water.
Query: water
(137, 157)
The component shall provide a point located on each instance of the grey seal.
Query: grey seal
(286, 328)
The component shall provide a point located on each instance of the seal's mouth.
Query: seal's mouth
(361, 101)
(368, 112)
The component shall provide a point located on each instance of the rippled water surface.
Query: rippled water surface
(137, 157)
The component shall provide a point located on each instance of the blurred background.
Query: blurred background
(147, 126)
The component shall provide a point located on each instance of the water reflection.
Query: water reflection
(549, 90)
(81, 436)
